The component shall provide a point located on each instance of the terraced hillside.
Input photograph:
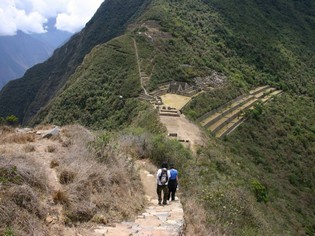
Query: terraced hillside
(226, 118)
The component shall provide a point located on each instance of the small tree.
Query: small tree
(12, 120)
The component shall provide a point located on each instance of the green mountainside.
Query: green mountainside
(257, 181)
(26, 96)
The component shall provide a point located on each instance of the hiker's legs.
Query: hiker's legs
(159, 193)
(173, 193)
(165, 194)
(172, 189)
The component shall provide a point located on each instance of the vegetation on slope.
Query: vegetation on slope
(260, 181)
(277, 146)
(26, 96)
(103, 91)
(89, 170)
(253, 43)
(256, 43)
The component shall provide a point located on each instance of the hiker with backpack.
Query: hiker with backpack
(162, 177)
(172, 182)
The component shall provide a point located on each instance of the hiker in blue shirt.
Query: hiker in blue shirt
(172, 182)
(162, 178)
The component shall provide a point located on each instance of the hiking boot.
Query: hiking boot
(164, 203)
(160, 203)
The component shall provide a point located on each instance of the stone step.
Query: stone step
(254, 94)
(216, 116)
(230, 127)
(169, 114)
(169, 111)
(158, 92)
(264, 92)
(234, 123)
(271, 95)
(222, 122)
(228, 104)
(259, 89)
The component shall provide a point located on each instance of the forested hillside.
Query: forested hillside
(26, 96)
(258, 180)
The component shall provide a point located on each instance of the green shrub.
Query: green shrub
(166, 150)
(260, 191)
(256, 112)
(9, 232)
(9, 175)
(12, 120)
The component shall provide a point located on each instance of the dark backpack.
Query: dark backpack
(164, 176)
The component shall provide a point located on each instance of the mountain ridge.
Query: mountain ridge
(22, 51)
(256, 181)
(37, 87)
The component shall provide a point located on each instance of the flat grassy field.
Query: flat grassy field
(175, 101)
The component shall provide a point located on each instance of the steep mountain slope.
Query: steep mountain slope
(22, 51)
(18, 54)
(257, 181)
(277, 145)
(103, 91)
(26, 96)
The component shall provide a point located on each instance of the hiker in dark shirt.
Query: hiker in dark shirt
(172, 182)
(162, 178)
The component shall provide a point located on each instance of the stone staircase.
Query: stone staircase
(168, 111)
(147, 97)
(225, 119)
(155, 220)
(160, 91)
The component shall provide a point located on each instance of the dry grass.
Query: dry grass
(66, 177)
(26, 198)
(174, 100)
(90, 184)
(196, 215)
(51, 148)
(61, 197)
(19, 138)
(91, 190)
(44, 127)
(29, 148)
(21, 208)
(107, 188)
(6, 129)
(54, 163)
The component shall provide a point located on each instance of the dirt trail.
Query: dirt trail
(186, 131)
(156, 220)
(139, 68)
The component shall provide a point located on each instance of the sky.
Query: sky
(30, 16)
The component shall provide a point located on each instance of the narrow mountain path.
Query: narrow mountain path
(139, 67)
(156, 220)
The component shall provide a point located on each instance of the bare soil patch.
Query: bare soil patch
(186, 131)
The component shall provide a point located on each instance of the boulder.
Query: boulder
(52, 133)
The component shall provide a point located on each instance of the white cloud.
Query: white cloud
(30, 16)
(78, 13)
